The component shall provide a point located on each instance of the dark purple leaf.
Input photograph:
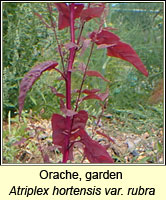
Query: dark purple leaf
(94, 152)
(31, 77)
(80, 120)
(86, 91)
(91, 96)
(116, 48)
(96, 74)
(60, 132)
(126, 52)
(59, 126)
(91, 13)
(64, 14)
(104, 37)
(99, 96)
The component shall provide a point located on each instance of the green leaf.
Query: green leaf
(33, 100)
(159, 147)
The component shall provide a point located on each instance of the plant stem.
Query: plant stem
(71, 58)
(81, 29)
(84, 77)
(68, 84)
(56, 37)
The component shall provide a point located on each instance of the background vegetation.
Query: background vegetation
(135, 104)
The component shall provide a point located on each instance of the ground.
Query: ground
(36, 143)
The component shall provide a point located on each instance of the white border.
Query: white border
(61, 164)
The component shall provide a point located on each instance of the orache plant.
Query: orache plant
(69, 129)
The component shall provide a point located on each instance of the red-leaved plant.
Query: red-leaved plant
(69, 129)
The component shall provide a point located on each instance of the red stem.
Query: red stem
(84, 77)
(68, 84)
(56, 37)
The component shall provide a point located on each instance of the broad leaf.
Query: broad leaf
(79, 120)
(116, 48)
(59, 127)
(91, 96)
(64, 14)
(86, 91)
(104, 37)
(126, 52)
(63, 21)
(94, 152)
(58, 124)
(91, 13)
(31, 77)
(99, 96)
(96, 74)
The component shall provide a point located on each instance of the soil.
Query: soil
(127, 147)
